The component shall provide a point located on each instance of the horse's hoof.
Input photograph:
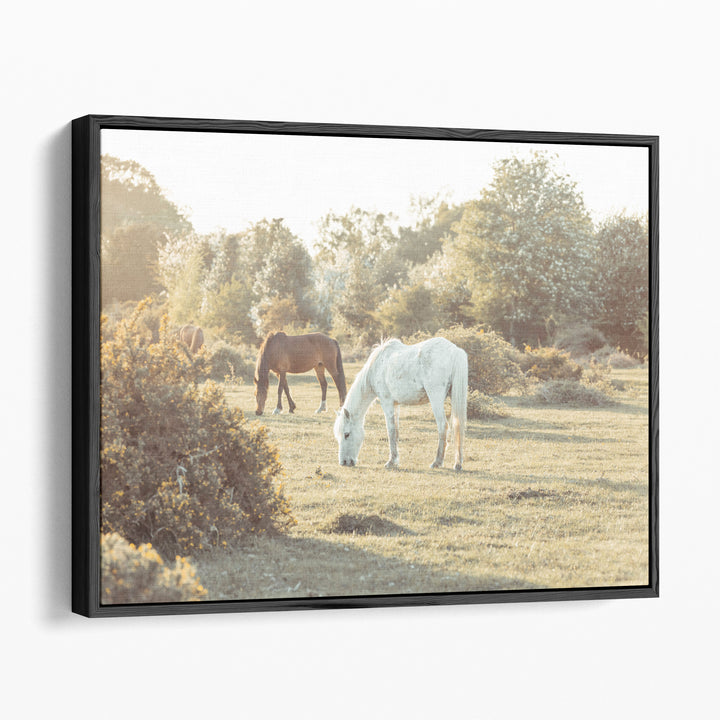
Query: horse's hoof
(435, 464)
(390, 465)
(458, 467)
(276, 411)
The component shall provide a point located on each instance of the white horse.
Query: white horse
(397, 374)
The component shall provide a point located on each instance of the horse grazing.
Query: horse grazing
(191, 336)
(398, 374)
(283, 354)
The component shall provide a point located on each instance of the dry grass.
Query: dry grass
(550, 497)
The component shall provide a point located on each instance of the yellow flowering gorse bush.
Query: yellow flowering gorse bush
(549, 363)
(179, 468)
(138, 575)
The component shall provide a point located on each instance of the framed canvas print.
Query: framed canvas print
(326, 366)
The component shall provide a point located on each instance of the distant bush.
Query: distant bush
(642, 326)
(483, 407)
(579, 340)
(353, 351)
(493, 363)
(138, 575)
(228, 362)
(614, 358)
(179, 468)
(547, 363)
(598, 375)
(572, 392)
(622, 361)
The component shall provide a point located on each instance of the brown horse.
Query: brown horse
(191, 336)
(283, 354)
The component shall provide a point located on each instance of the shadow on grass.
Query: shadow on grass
(534, 486)
(620, 406)
(506, 428)
(490, 476)
(298, 567)
(522, 430)
(515, 428)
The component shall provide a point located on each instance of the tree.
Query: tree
(524, 248)
(622, 280)
(227, 287)
(184, 288)
(285, 277)
(230, 282)
(433, 227)
(357, 266)
(452, 296)
(136, 221)
(408, 310)
(130, 262)
(228, 310)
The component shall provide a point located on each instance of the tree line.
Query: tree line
(523, 258)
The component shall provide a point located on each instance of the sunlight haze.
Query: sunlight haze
(229, 181)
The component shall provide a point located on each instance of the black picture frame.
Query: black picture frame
(86, 307)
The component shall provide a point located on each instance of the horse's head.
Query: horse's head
(261, 390)
(350, 433)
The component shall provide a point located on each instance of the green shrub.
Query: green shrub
(179, 468)
(546, 363)
(572, 392)
(408, 309)
(483, 407)
(614, 358)
(138, 575)
(579, 339)
(622, 361)
(228, 363)
(493, 363)
(354, 352)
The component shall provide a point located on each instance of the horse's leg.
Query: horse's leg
(291, 404)
(335, 375)
(437, 402)
(320, 372)
(391, 421)
(281, 381)
(459, 449)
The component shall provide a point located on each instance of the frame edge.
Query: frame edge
(85, 364)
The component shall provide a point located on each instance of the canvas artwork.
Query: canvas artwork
(345, 366)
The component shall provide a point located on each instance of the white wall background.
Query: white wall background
(635, 67)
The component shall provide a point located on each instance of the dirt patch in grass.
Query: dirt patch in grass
(530, 493)
(365, 525)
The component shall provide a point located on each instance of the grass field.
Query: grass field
(549, 497)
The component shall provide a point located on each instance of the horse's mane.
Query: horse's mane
(361, 379)
(267, 340)
(262, 365)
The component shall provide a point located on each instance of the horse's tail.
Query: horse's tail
(341, 382)
(458, 402)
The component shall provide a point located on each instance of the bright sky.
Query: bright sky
(227, 180)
